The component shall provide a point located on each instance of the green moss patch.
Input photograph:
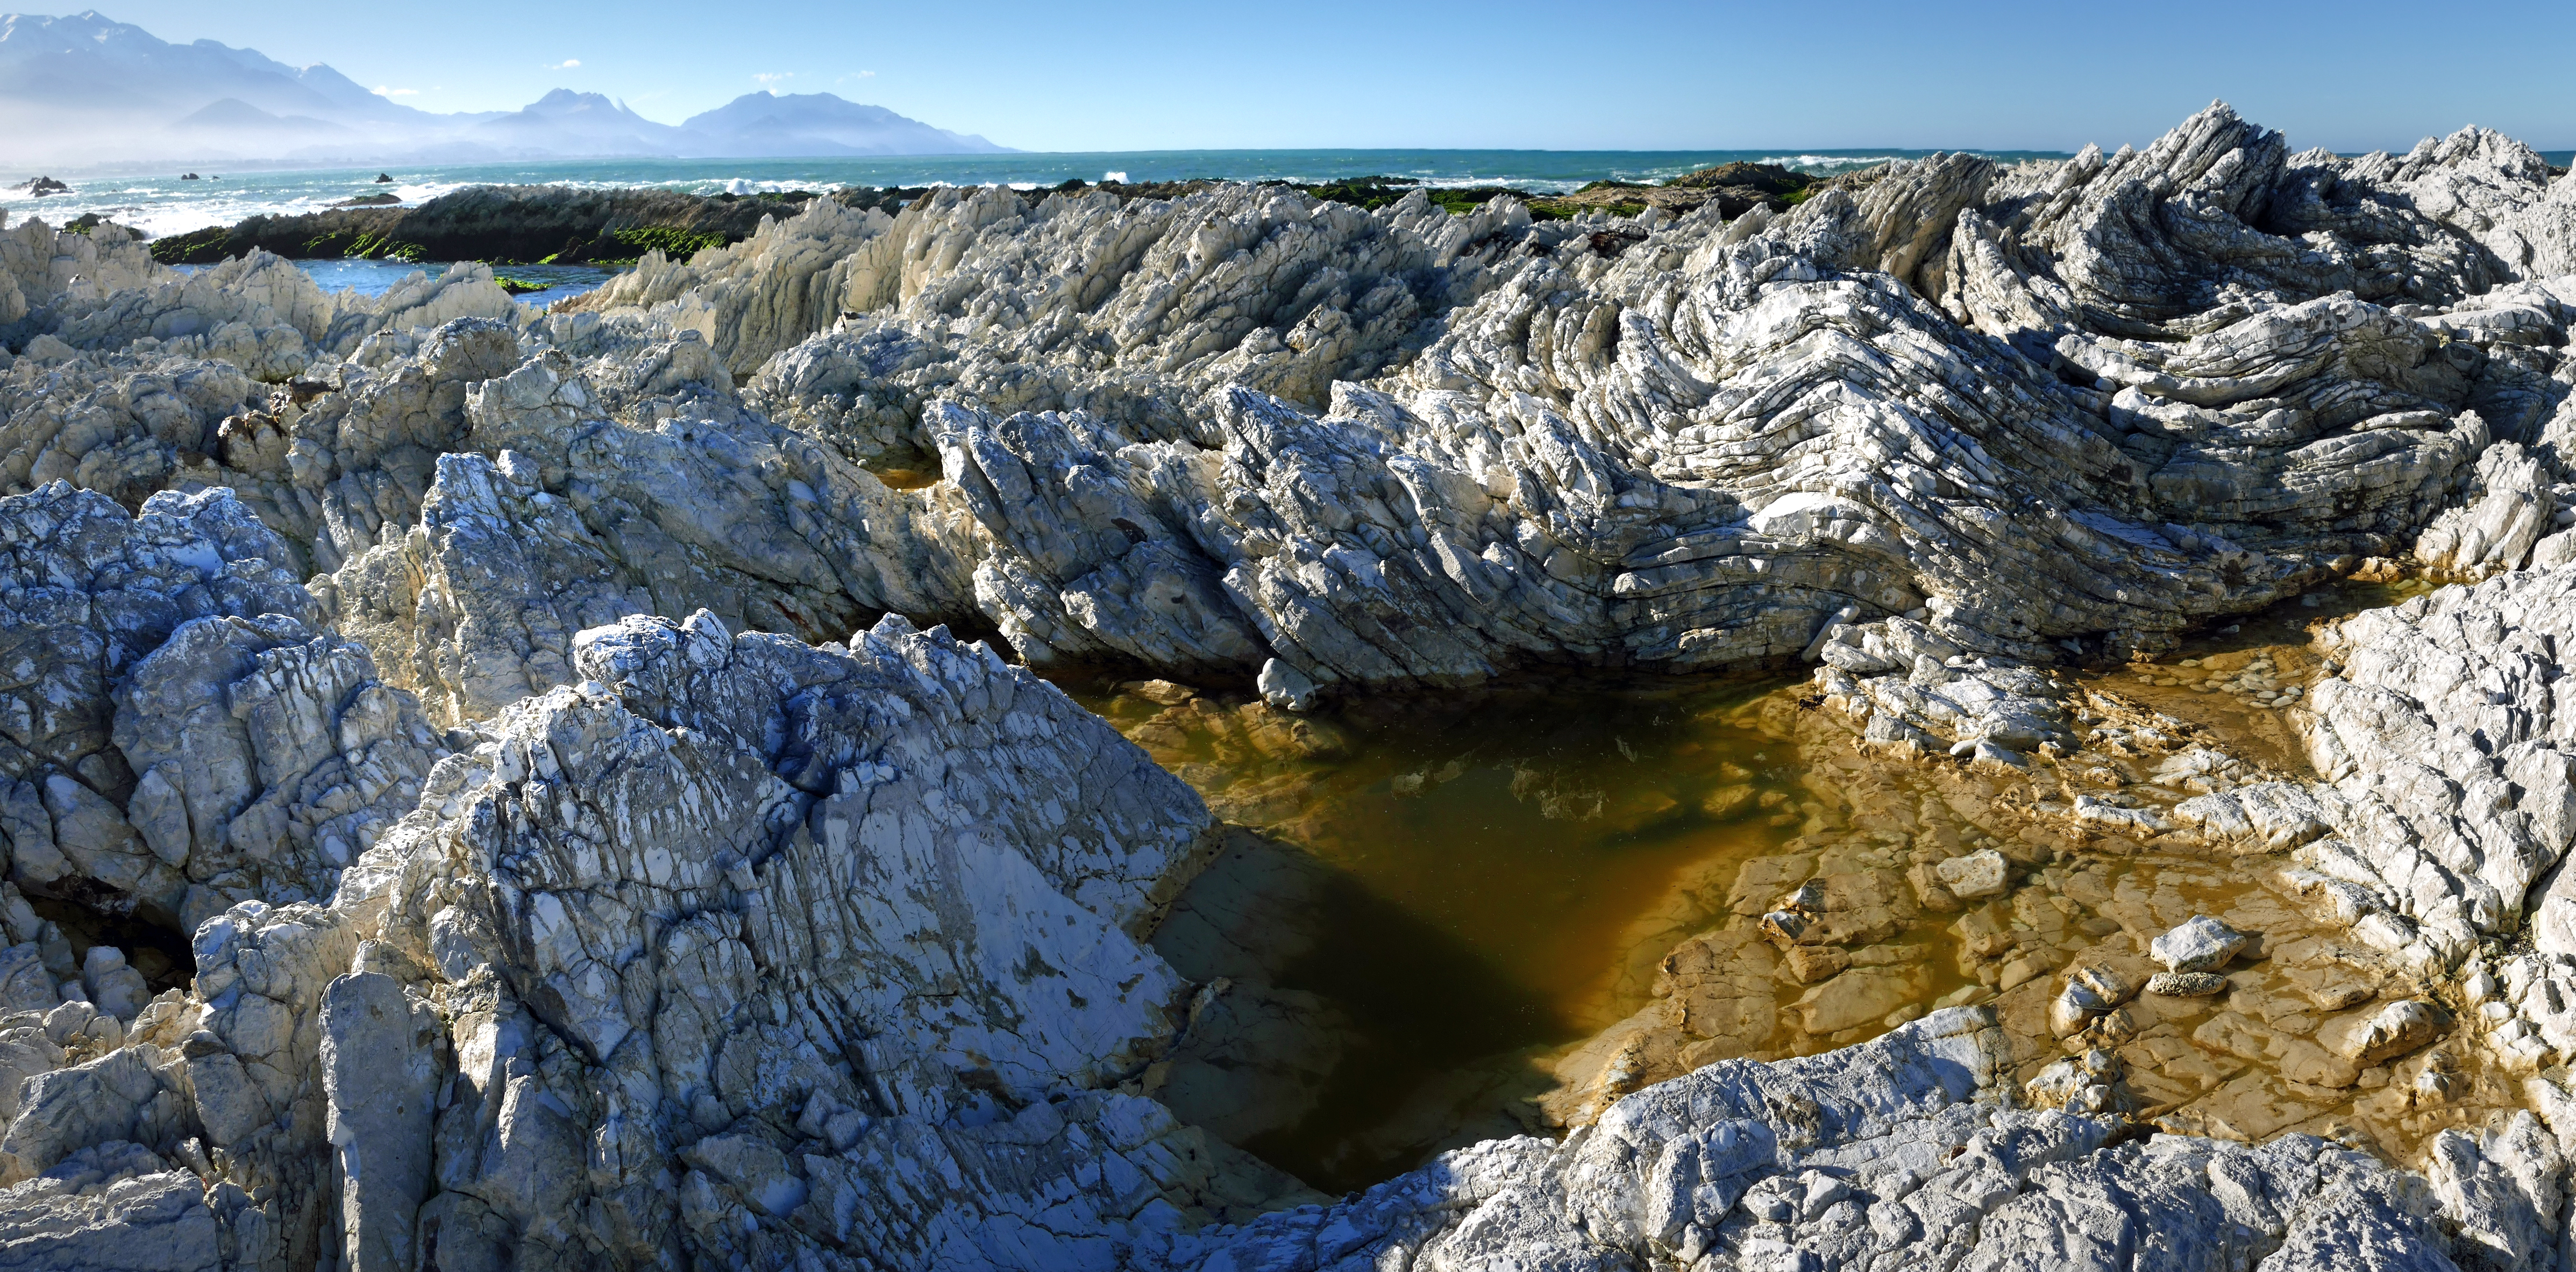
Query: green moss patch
(196, 247)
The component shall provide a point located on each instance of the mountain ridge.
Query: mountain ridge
(827, 125)
(84, 89)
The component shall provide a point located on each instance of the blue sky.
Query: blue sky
(1637, 75)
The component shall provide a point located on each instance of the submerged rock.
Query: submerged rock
(2186, 984)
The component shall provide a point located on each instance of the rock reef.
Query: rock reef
(596, 764)
(497, 225)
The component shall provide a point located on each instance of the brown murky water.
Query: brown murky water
(1441, 921)
(2240, 680)
(1465, 887)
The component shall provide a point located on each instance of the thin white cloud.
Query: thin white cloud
(772, 79)
(570, 63)
(856, 76)
(382, 91)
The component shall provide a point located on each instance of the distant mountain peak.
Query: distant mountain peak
(786, 124)
(88, 89)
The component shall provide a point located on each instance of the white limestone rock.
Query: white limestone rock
(2368, 1037)
(1637, 454)
(709, 945)
(2514, 507)
(2509, 1188)
(107, 1213)
(476, 607)
(120, 424)
(2441, 740)
(381, 1069)
(1887, 1155)
(185, 740)
(2086, 1084)
(2139, 242)
(114, 988)
(43, 266)
(1978, 874)
(879, 900)
(2199, 945)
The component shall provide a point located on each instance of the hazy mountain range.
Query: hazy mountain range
(85, 90)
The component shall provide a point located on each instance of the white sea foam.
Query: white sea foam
(1831, 163)
(424, 192)
(1517, 183)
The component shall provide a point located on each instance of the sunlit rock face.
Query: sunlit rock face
(2215, 370)
(535, 734)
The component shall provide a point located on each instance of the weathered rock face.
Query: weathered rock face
(42, 267)
(1666, 443)
(186, 735)
(1690, 451)
(101, 291)
(2442, 739)
(532, 930)
(1883, 1156)
(800, 934)
(2446, 749)
(2213, 214)
(864, 894)
(1144, 304)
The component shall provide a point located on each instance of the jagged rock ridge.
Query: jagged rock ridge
(531, 929)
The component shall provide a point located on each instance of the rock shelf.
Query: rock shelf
(606, 794)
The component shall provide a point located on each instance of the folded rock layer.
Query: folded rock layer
(593, 862)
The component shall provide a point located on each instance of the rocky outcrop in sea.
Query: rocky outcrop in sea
(503, 225)
(597, 765)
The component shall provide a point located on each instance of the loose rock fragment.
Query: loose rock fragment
(2197, 946)
(2186, 984)
(2090, 990)
(2088, 1084)
(1979, 874)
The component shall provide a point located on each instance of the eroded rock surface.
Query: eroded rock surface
(532, 930)
(186, 734)
(1886, 1156)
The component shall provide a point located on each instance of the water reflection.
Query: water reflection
(1441, 895)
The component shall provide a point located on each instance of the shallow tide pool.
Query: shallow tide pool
(1438, 921)
(1440, 895)
(375, 278)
